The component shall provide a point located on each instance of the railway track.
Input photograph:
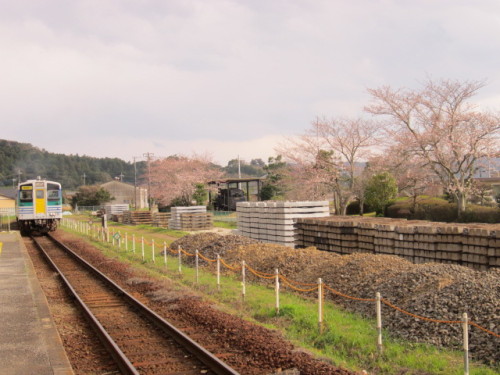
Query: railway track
(139, 340)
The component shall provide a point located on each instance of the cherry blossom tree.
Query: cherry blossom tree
(412, 178)
(176, 177)
(440, 126)
(327, 159)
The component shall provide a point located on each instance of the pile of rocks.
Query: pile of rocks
(437, 291)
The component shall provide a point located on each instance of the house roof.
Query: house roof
(115, 182)
(8, 192)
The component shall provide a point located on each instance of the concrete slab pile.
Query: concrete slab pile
(474, 245)
(274, 222)
(190, 218)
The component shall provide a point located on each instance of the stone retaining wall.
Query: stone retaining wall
(473, 245)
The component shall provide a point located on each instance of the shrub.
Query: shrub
(436, 209)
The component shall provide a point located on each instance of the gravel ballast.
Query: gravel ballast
(432, 290)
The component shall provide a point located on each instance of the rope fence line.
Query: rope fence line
(78, 226)
(347, 296)
(387, 303)
(300, 289)
(262, 275)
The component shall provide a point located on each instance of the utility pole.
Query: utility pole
(19, 176)
(84, 176)
(239, 172)
(135, 185)
(121, 176)
(149, 156)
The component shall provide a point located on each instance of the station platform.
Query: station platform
(29, 341)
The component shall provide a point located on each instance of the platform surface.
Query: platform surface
(29, 342)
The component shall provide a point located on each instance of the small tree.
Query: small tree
(200, 194)
(91, 196)
(274, 184)
(380, 190)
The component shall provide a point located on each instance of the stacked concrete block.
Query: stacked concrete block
(338, 234)
(116, 209)
(476, 246)
(274, 222)
(189, 218)
(480, 247)
(137, 217)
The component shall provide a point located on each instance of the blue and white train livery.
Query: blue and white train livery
(38, 206)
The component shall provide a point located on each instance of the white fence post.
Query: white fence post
(218, 272)
(180, 260)
(196, 262)
(466, 343)
(243, 280)
(378, 308)
(277, 290)
(165, 253)
(320, 305)
(142, 248)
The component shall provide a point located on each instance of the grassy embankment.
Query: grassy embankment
(348, 340)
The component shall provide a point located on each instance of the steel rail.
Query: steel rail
(124, 364)
(209, 359)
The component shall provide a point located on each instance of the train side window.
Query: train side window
(39, 194)
(26, 195)
(53, 195)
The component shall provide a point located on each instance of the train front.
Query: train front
(38, 206)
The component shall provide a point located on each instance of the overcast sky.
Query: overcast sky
(124, 77)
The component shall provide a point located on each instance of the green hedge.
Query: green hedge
(436, 209)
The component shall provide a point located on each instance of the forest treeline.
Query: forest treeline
(24, 161)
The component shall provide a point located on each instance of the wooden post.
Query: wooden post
(465, 326)
(133, 242)
(378, 308)
(119, 240)
(277, 291)
(153, 249)
(126, 241)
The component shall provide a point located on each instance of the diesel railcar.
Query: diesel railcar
(38, 206)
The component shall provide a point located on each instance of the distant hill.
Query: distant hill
(29, 162)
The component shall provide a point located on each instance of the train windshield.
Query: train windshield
(26, 195)
(53, 192)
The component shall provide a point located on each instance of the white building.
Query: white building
(123, 193)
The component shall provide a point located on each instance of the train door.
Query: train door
(40, 202)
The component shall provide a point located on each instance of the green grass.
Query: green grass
(347, 339)
(225, 224)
